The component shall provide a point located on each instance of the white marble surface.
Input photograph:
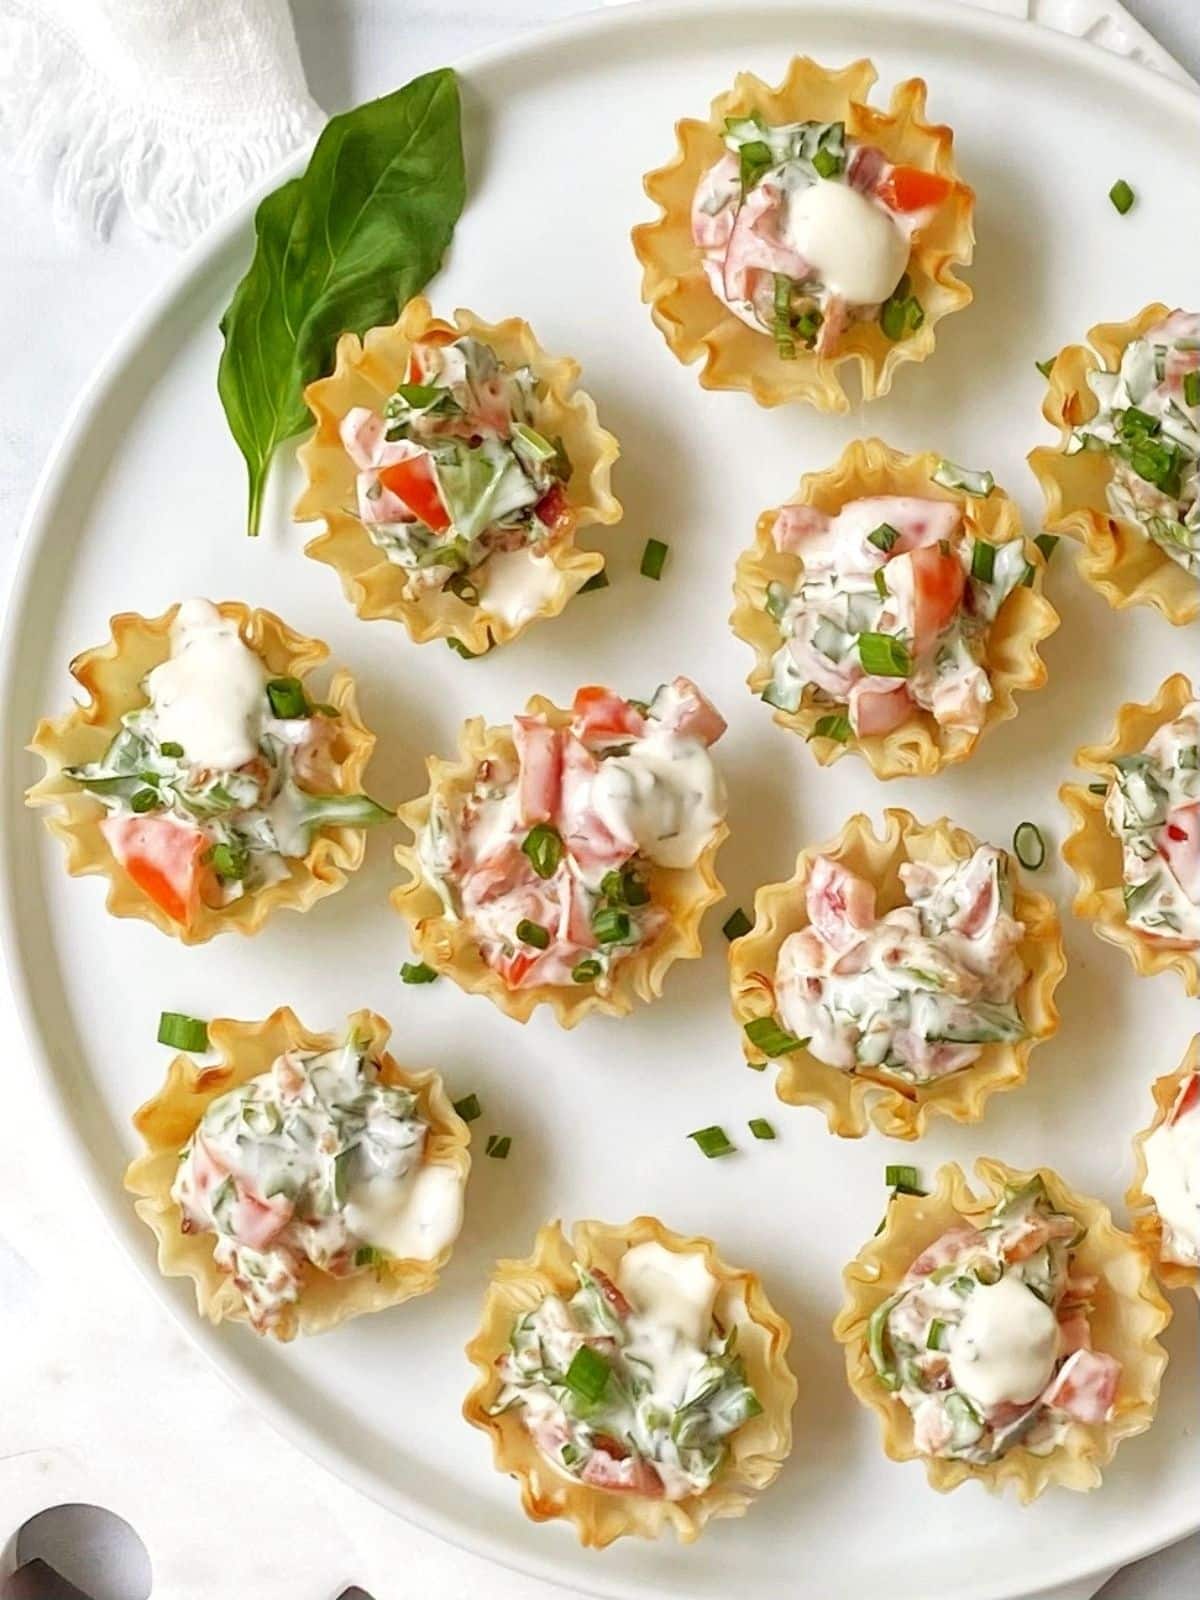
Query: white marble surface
(104, 1401)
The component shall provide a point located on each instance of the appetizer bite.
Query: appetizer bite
(802, 230)
(893, 606)
(452, 465)
(1009, 1336)
(568, 859)
(1124, 479)
(1164, 1198)
(1135, 847)
(304, 1178)
(200, 777)
(897, 977)
(631, 1381)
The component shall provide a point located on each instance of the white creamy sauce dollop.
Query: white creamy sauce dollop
(1173, 1182)
(672, 1296)
(208, 695)
(852, 243)
(517, 584)
(413, 1217)
(1006, 1345)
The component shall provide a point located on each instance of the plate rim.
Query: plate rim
(34, 533)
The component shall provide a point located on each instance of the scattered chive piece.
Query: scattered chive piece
(598, 580)
(1097, 788)
(460, 649)
(1046, 543)
(1191, 394)
(543, 848)
(227, 863)
(468, 1107)
(894, 1177)
(610, 925)
(951, 476)
(144, 800)
(713, 1142)
(884, 537)
(983, 561)
(287, 698)
(1029, 846)
(1121, 196)
(533, 933)
(367, 1256)
(588, 1374)
(587, 969)
(770, 1038)
(417, 972)
(170, 748)
(881, 588)
(498, 1146)
(934, 1338)
(757, 1066)
(653, 559)
(835, 727)
(182, 1032)
(884, 656)
(761, 1128)
(736, 924)
(1046, 367)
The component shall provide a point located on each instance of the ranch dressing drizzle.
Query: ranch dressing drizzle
(208, 696)
(1006, 1344)
(517, 584)
(853, 245)
(672, 1296)
(1173, 1177)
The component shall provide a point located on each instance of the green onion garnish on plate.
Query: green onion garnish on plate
(1121, 195)
(1047, 543)
(1028, 846)
(182, 1033)
(898, 1177)
(713, 1142)
(598, 580)
(498, 1146)
(766, 1035)
(654, 558)
(287, 698)
(761, 1128)
(468, 1107)
(1046, 367)
(417, 972)
(736, 924)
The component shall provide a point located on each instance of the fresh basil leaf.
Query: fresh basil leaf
(339, 249)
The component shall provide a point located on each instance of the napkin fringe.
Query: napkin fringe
(58, 124)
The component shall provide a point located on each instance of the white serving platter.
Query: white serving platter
(142, 503)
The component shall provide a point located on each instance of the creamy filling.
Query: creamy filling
(1172, 1179)
(916, 993)
(1153, 809)
(314, 1163)
(1149, 424)
(987, 1339)
(551, 858)
(632, 1386)
(892, 613)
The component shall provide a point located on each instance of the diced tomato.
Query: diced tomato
(1188, 1100)
(1085, 1386)
(1028, 1243)
(631, 1475)
(553, 509)
(615, 1299)
(258, 1222)
(1179, 846)
(600, 712)
(945, 1249)
(694, 716)
(938, 590)
(515, 967)
(539, 751)
(841, 907)
(913, 189)
(1074, 1332)
(413, 481)
(163, 859)
(875, 710)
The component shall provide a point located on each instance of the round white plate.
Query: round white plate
(143, 503)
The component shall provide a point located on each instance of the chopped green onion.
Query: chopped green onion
(182, 1032)
(952, 476)
(1046, 543)
(835, 726)
(419, 395)
(884, 656)
(761, 1128)
(144, 800)
(533, 933)
(653, 559)
(417, 972)
(498, 1146)
(1191, 390)
(1029, 846)
(287, 698)
(713, 1142)
(901, 313)
(465, 587)
(1121, 196)
(543, 848)
(754, 158)
(588, 1374)
(884, 537)
(460, 649)
(598, 580)
(228, 863)
(983, 561)
(623, 887)
(586, 970)
(757, 1066)
(737, 924)
(782, 305)
(881, 588)
(368, 1256)
(766, 1035)
(170, 748)
(468, 1107)
(826, 164)
(610, 925)
(933, 1340)
(895, 1177)
(1046, 367)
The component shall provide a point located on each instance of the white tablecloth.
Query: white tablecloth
(103, 1399)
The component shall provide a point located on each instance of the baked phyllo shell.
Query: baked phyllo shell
(920, 747)
(1093, 852)
(758, 1448)
(112, 676)
(695, 323)
(1129, 1315)
(1118, 557)
(366, 372)
(848, 1099)
(167, 1122)
(1144, 1218)
(448, 945)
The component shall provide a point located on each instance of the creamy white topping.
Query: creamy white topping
(516, 584)
(208, 696)
(852, 243)
(1006, 1345)
(1153, 808)
(1172, 1179)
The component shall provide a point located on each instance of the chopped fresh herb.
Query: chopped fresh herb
(884, 537)
(1121, 196)
(417, 972)
(1046, 367)
(623, 887)
(598, 580)
(835, 726)
(1046, 543)
(460, 649)
(761, 1128)
(736, 924)
(533, 933)
(1191, 395)
(182, 1032)
(498, 1146)
(144, 800)
(586, 971)
(1097, 788)
(465, 587)
(653, 559)
(983, 561)
(287, 698)
(754, 158)
(543, 848)
(588, 1374)
(952, 476)
(826, 164)
(881, 588)
(368, 1256)
(933, 1340)
(229, 862)
(901, 313)
(469, 1108)
(757, 1066)
(170, 748)
(1029, 846)
(610, 925)
(713, 1142)
(896, 1176)
(766, 1034)
(884, 656)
